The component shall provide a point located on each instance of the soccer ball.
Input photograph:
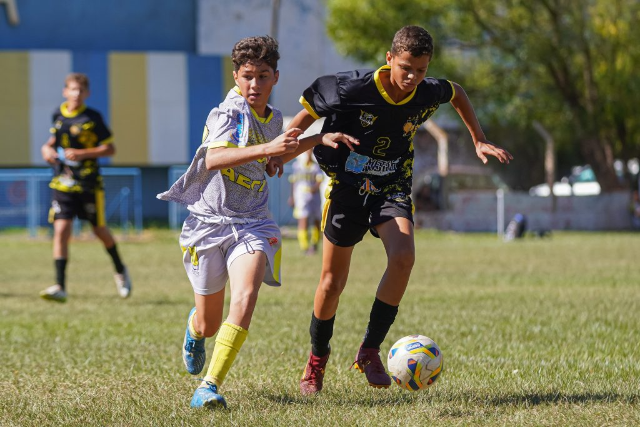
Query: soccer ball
(415, 362)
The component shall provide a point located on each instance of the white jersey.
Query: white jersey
(233, 195)
(306, 175)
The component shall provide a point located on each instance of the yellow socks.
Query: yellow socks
(228, 342)
(192, 330)
(303, 239)
(315, 236)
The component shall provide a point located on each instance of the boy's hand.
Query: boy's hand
(49, 154)
(275, 164)
(285, 143)
(486, 148)
(331, 140)
(74, 154)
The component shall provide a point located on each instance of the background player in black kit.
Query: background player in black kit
(78, 137)
(371, 184)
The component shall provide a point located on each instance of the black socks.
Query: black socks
(61, 266)
(113, 252)
(321, 332)
(380, 320)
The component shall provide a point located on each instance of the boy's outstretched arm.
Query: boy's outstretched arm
(302, 121)
(224, 158)
(77, 154)
(484, 148)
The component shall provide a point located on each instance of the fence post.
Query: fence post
(500, 212)
(32, 212)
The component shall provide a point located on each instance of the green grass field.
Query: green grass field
(536, 332)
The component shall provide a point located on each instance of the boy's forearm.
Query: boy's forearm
(105, 150)
(463, 107)
(305, 144)
(225, 158)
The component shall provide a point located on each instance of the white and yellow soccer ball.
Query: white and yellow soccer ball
(415, 362)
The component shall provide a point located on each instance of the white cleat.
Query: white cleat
(123, 283)
(54, 293)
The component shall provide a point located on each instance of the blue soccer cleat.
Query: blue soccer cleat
(193, 351)
(206, 396)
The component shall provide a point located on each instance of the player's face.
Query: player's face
(75, 94)
(255, 83)
(407, 71)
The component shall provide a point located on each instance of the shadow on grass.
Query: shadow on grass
(335, 400)
(29, 295)
(527, 399)
(553, 398)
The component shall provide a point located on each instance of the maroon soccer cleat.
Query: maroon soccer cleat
(368, 361)
(311, 382)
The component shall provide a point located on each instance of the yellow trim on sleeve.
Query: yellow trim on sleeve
(453, 89)
(218, 144)
(107, 141)
(308, 107)
(385, 95)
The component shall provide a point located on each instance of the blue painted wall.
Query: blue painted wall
(101, 24)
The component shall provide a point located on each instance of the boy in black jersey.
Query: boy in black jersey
(371, 183)
(78, 137)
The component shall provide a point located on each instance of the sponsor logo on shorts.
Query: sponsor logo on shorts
(359, 163)
(273, 241)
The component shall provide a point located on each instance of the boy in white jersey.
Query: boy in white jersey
(306, 200)
(229, 234)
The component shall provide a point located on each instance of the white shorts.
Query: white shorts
(308, 205)
(209, 249)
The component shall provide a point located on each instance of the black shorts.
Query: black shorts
(348, 214)
(88, 206)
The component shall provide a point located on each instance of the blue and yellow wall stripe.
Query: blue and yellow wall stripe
(156, 102)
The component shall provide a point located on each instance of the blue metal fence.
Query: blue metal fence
(25, 198)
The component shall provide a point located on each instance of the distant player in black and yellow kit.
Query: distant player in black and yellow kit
(371, 184)
(79, 137)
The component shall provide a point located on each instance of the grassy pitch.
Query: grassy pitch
(535, 332)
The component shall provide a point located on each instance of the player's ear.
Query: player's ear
(277, 76)
(389, 58)
(235, 76)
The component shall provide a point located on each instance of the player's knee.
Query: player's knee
(208, 327)
(245, 299)
(402, 259)
(332, 285)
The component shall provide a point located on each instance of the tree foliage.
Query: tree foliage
(569, 64)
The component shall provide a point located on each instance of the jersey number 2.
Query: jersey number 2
(380, 147)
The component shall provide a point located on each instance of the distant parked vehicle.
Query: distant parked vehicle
(581, 182)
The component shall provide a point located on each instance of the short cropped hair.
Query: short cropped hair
(79, 78)
(255, 50)
(413, 39)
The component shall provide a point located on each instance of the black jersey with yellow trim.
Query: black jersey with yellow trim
(82, 128)
(356, 103)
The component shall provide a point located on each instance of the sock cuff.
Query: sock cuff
(192, 329)
(231, 335)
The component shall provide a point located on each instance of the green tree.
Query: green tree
(568, 64)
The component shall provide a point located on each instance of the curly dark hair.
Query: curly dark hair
(413, 39)
(255, 50)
